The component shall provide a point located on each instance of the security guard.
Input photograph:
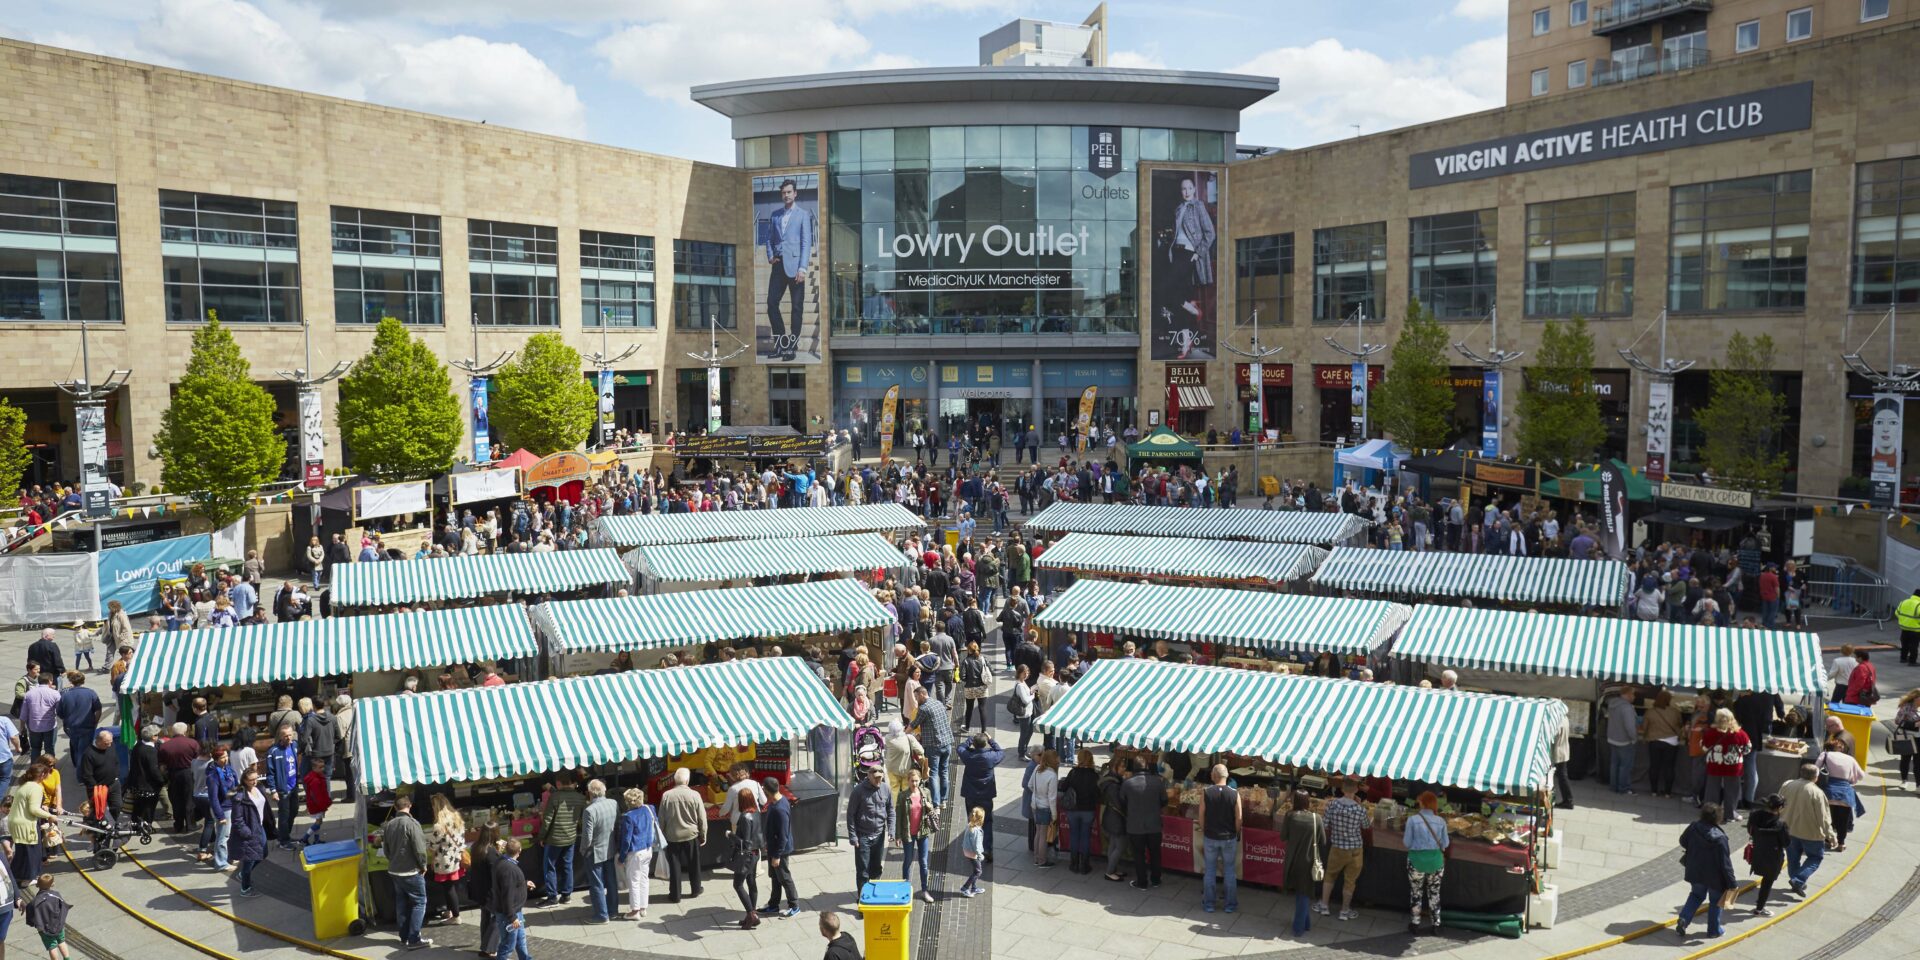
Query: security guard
(1908, 613)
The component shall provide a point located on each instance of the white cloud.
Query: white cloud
(690, 47)
(1136, 60)
(890, 61)
(862, 9)
(1481, 9)
(1326, 87)
(473, 78)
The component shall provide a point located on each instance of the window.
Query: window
(1580, 257)
(1539, 82)
(1542, 21)
(1577, 13)
(1453, 263)
(1349, 271)
(514, 278)
(386, 264)
(512, 300)
(59, 252)
(1263, 278)
(703, 284)
(491, 241)
(1746, 36)
(1576, 74)
(616, 279)
(1740, 244)
(1873, 10)
(615, 251)
(1799, 24)
(787, 397)
(1886, 233)
(235, 258)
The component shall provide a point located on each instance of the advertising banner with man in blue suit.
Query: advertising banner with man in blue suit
(787, 322)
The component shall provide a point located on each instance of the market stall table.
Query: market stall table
(467, 578)
(635, 530)
(1529, 580)
(1179, 558)
(695, 563)
(1268, 526)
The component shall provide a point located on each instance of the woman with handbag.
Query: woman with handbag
(976, 681)
(1426, 840)
(749, 842)
(636, 838)
(1766, 848)
(1305, 833)
(1838, 773)
(915, 821)
(1906, 728)
(1044, 788)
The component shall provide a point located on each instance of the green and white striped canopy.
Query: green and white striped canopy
(699, 616)
(463, 578)
(1590, 583)
(1610, 648)
(1473, 740)
(198, 659)
(637, 530)
(523, 729)
(746, 559)
(1243, 618)
(1177, 557)
(1270, 526)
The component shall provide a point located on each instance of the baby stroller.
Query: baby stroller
(869, 751)
(109, 833)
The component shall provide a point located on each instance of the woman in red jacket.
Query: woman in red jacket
(1862, 680)
(1726, 748)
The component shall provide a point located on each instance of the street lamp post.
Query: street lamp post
(712, 358)
(604, 361)
(313, 435)
(1360, 351)
(1490, 364)
(90, 419)
(1898, 379)
(477, 374)
(1659, 400)
(1256, 378)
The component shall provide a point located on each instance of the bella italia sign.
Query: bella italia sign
(1756, 114)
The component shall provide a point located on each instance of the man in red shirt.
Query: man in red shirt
(1769, 596)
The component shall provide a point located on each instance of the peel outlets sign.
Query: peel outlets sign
(966, 251)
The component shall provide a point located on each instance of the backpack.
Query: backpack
(1014, 707)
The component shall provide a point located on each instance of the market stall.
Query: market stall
(634, 530)
(242, 670)
(739, 562)
(1163, 448)
(1267, 526)
(1181, 559)
(475, 578)
(493, 750)
(1523, 580)
(1491, 757)
(1369, 463)
(1576, 658)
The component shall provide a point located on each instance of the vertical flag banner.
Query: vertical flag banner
(1613, 510)
(1256, 409)
(1490, 414)
(313, 439)
(482, 434)
(713, 400)
(1889, 414)
(92, 421)
(1085, 421)
(889, 410)
(1659, 427)
(1359, 402)
(606, 406)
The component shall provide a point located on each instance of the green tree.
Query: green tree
(541, 401)
(15, 458)
(397, 410)
(1559, 411)
(1415, 401)
(1744, 418)
(217, 440)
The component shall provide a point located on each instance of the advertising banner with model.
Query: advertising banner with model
(786, 319)
(1186, 205)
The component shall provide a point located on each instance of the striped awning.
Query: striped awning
(746, 559)
(700, 616)
(521, 729)
(1592, 583)
(299, 650)
(1609, 648)
(1195, 398)
(463, 578)
(1271, 526)
(1242, 618)
(1477, 741)
(634, 530)
(1176, 557)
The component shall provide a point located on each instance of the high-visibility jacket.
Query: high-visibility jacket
(1908, 613)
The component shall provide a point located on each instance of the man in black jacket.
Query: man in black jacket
(508, 902)
(100, 767)
(776, 824)
(46, 652)
(840, 946)
(1028, 655)
(145, 779)
(1141, 799)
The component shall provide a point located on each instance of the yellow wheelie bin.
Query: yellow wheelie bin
(333, 879)
(886, 909)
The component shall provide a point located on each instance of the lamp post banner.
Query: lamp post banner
(92, 422)
(1490, 416)
(1659, 427)
(482, 437)
(1889, 414)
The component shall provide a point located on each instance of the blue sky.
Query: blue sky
(617, 71)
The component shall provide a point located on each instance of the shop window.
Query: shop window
(1580, 257)
(703, 284)
(1886, 233)
(1349, 271)
(235, 258)
(1740, 244)
(59, 252)
(1453, 260)
(1263, 278)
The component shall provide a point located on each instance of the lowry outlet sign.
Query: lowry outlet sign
(1739, 117)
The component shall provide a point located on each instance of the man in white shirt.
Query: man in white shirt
(741, 781)
(1840, 671)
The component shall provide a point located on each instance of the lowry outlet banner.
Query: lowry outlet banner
(1889, 414)
(92, 421)
(1659, 427)
(313, 440)
(889, 412)
(1359, 380)
(1490, 414)
(482, 435)
(132, 574)
(1085, 420)
(786, 224)
(1185, 207)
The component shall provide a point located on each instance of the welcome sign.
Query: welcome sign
(1757, 114)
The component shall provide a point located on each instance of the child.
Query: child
(971, 846)
(82, 645)
(47, 913)
(319, 798)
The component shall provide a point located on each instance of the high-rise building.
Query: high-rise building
(1048, 43)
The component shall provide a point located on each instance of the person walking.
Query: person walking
(777, 828)
(47, 915)
(1020, 708)
(447, 858)
(1426, 840)
(27, 820)
(1080, 800)
(177, 755)
(840, 945)
(1708, 862)
(978, 786)
(1346, 820)
(220, 789)
(1841, 773)
(903, 754)
(976, 683)
(40, 715)
(934, 723)
(596, 848)
(1303, 832)
(79, 716)
(482, 857)
(636, 840)
(247, 840)
(1220, 825)
(145, 778)
(870, 814)
(559, 831)
(405, 846)
(508, 903)
(1726, 747)
(683, 822)
(1809, 820)
(1863, 685)
(915, 819)
(749, 841)
(1768, 834)
(283, 782)
(1906, 730)
(1142, 797)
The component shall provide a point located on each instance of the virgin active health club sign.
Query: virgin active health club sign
(1739, 117)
